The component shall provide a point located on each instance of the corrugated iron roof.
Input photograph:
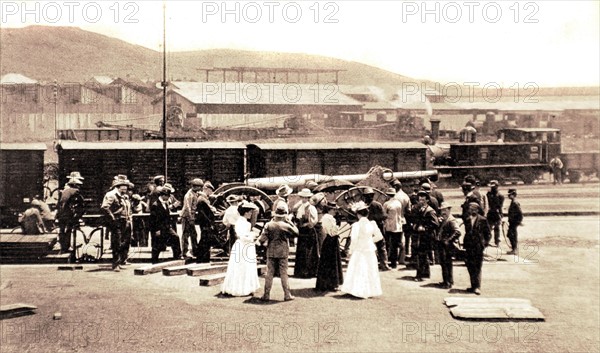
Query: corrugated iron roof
(535, 103)
(533, 129)
(148, 145)
(340, 146)
(383, 105)
(13, 78)
(33, 146)
(262, 93)
(103, 80)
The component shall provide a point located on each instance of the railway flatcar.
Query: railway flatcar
(518, 154)
(279, 159)
(98, 163)
(21, 178)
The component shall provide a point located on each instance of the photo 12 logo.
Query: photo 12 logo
(68, 12)
(453, 332)
(469, 11)
(269, 12)
(270, 332)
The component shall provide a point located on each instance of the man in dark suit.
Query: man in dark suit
(447, 235)
(477, 238)
(161, 229)
(425, 225)
(494, 214)
(275, 236)
(515, 218)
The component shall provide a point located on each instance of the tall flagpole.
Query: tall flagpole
(164, 85)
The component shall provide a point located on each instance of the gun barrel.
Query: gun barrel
(295, 181)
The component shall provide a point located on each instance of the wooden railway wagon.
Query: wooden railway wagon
(21, 178)
(280, 159)
(521, 153)
(98, 163)
(578, 164)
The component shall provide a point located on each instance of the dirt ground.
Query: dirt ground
(104, 311)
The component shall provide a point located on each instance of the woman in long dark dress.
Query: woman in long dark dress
(307, 254)
(329, 273)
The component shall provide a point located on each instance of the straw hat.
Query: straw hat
(284, 190)
(305, 193)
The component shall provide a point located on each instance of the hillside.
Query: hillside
(72, 54)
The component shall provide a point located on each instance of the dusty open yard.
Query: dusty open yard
(118, 312)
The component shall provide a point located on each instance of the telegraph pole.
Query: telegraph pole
(164, 86)
(55, 96)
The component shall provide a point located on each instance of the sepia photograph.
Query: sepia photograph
(299, 176)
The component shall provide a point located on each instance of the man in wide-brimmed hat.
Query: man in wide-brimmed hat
(161, 226)
(188, 217)
(275, 236)
(117, 211)
(75, 175)
(468, 188)
(157, 181)
(282, 192)
(69, 210)
(393, 225)
(128, 211)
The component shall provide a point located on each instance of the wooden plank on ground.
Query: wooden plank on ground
(531, 313)
(467, 313)
(211, 280)
(70, 267)
(195, 272)
(18, 309)
(146, 270)
(508, 309)
(21, 238)
(453, 301)
(496, 313)
(182, 270)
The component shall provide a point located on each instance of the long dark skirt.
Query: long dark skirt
(307, 256)
(329, 274)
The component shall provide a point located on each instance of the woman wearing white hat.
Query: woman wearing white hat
(242, 275)
(362, 277)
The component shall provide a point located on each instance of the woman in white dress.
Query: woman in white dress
(242, 276)
(362, 277)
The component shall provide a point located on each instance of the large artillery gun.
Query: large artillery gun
(345, 190)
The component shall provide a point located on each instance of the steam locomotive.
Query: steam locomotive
(518, 154)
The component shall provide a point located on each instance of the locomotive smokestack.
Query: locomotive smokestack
(435, 129)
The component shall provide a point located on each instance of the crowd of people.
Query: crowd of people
(416, 230)
(382, 236)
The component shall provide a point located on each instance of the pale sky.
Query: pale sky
(548, 43)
